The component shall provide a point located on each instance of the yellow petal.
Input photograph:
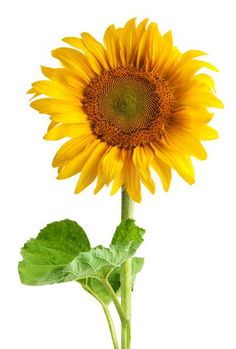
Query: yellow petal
(197, 116)
(202, 99)
(180, 162)
(149, 184)
(31, 90)
(65, 77)
(131, 178)
(89, 171)
(71, 118)
(188, 70)
(74, 61)
(192, 87)
(112, 163)
(141, 28)
(119, 178)
(80, 44)
(206, 79)
(166, 51)
(143, 49)
(55, 90)
(74, 41)
(128, 41)
(117, 183)
(163, 171)
(76, 164)
(52, 125)
(111, 42)
(155, 48)
(101, 177)
(54, 106)
(70, 130)
(189, 55)
(142, 158)
(71, 149)
(208, 133)
(184, 142)
(92, 60)
(203, 64)
(96, 49)
(101, 181)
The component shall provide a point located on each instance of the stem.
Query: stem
(126, 288)
(115, 300)
(127, 205)
(126, 277)
(108, 317)
(111, 326)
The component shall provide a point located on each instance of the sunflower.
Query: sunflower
(130, 105)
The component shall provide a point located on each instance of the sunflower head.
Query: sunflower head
(127, 106)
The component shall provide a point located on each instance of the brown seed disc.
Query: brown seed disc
(128, 106)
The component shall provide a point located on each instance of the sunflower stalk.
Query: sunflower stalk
(126, 277)
(108, 317)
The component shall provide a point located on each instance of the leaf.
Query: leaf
(100, 291)
(39, 268)
(56, 245)
(61, 252)
(114, 278)
(127, 231)
(137, 266)
(97, 263)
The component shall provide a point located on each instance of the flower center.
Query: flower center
(127, 106)
(126, 103)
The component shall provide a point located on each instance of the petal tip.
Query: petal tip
(221, 104)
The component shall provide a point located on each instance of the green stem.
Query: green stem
(111, 326)
(126, 278)
(115, 300)
(127, 205)
(108, 317)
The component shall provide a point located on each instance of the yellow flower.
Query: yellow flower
(134, 104)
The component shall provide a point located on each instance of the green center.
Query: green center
(128, 99)
(127, 103)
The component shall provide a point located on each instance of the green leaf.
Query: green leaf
(137, 266)
(114, 277)
(61, 252)
(128, 231)
(55, 246)
(97, 263)
(44, 265)
(98, 288)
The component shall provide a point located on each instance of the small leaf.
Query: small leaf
(56, 245)
(114, 278)
(128, 231)
(137, 266)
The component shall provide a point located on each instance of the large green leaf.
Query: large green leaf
(61, 252)
(97, 262)
(56, 245)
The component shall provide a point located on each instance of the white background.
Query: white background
(186, 295)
